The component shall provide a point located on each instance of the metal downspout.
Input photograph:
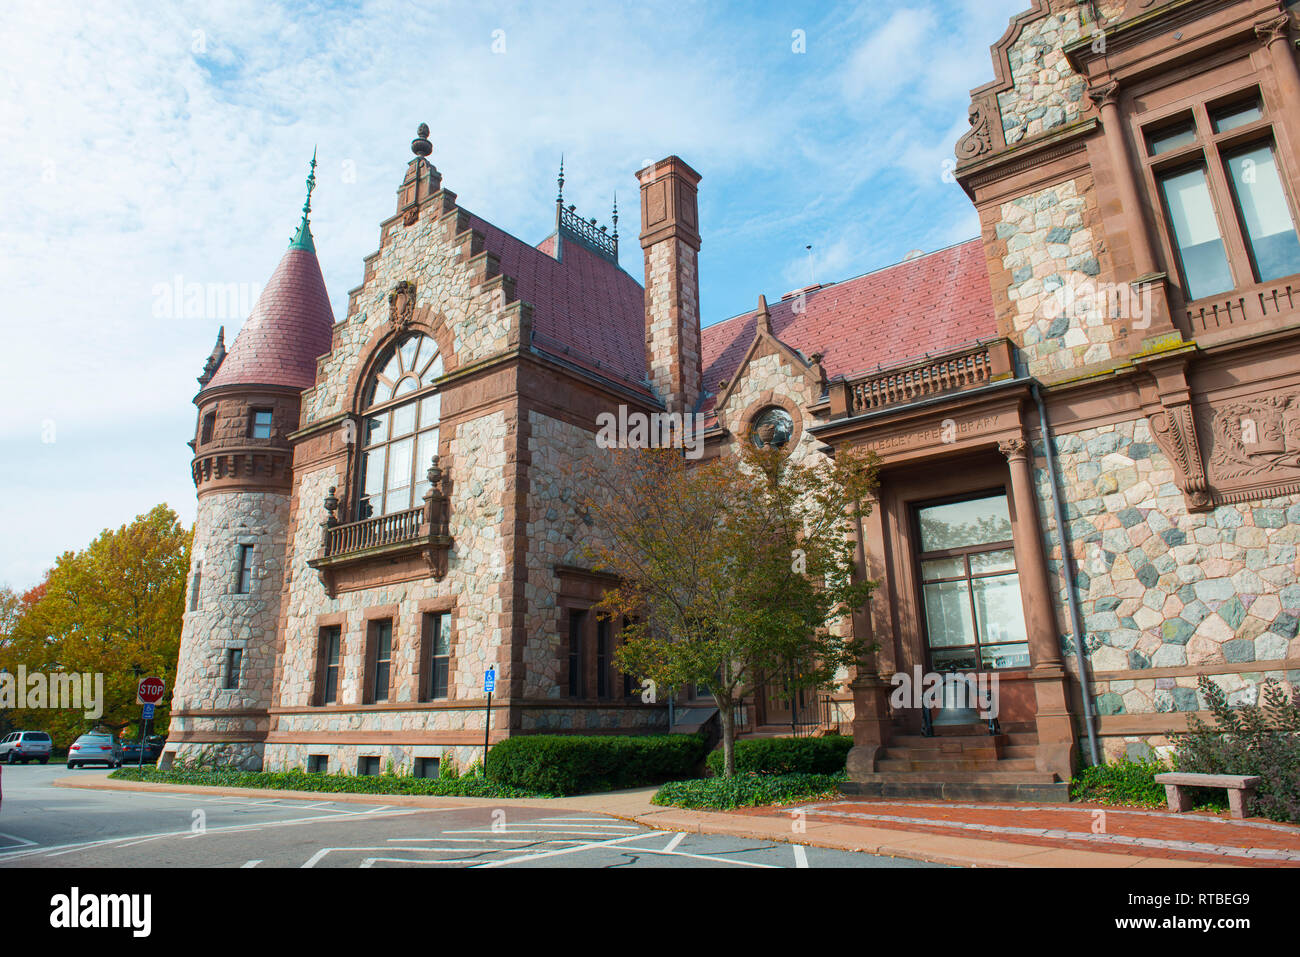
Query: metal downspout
(1071, 599)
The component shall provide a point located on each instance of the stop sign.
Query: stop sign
(150, 691)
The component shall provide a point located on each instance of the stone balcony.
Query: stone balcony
(957, 370)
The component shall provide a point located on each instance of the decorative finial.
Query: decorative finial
(302, 238)
(421, 146)
(615, 220)
(215, 358)
(559, 196)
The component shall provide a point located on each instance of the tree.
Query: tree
(114, 605)
(730, 570)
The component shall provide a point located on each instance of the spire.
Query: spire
(559, 196)
(615, 218)
(302, 238)
(215, 358)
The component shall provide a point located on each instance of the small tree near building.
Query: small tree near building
(731, 569)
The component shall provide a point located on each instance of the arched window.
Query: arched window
(400, 428)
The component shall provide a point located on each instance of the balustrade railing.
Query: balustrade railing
(394, 528)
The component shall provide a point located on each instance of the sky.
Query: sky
(147, 145)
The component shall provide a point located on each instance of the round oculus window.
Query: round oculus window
(771, 428)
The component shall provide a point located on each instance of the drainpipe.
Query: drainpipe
(1071, 598)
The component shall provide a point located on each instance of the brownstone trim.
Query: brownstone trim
(767, 400)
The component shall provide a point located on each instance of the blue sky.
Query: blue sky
(149, 142)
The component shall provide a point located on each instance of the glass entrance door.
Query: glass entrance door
(970, 589)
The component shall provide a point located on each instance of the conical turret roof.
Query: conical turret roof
(288, 329)
(292, 323)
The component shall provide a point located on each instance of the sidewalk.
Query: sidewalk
(965, 835)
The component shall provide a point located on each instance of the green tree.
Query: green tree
(732, 569)
(113, 606)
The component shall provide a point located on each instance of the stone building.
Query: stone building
(1088, 420)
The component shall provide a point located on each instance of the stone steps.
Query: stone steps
(982, 787)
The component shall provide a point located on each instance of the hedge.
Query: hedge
(576, 764)
(825, 755)
(748, 790)
(300, 780)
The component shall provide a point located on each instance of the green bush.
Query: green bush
(748, 790)
(1251, 739)
(300, 780)
(825, 755)
(1124, 782)
(575, 764)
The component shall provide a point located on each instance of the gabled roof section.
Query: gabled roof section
(586, 310)
(288, 329)
(924, 305)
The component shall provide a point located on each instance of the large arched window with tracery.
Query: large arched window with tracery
(399, 427)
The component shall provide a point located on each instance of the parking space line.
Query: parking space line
(800, 855)
(677, 839)
(247, 864)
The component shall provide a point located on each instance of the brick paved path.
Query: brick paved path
(1198, 836)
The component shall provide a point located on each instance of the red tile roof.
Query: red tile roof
(929, 304)
(287, 330)
(586, 310)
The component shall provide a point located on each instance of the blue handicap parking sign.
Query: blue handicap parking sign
(148, 711)
(490, 681)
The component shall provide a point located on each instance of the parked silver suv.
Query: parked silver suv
(26, 746)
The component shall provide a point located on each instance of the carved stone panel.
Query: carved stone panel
(1253, 446)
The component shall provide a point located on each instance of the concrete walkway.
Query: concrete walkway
(970, 835)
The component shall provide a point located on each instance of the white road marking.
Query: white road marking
(21, 841)
(800, 855)
(677, 839)
(320, 855)
(61, 849)
(134, 843)
(568, 850)
(249, 864)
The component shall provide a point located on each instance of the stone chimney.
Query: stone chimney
(671, 239)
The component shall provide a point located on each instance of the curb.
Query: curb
(880, 841)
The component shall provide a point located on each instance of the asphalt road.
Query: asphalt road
(46, 826)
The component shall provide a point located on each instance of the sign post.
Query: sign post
(148, 693)
(489, 685)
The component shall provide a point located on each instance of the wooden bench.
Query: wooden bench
(1241, 788)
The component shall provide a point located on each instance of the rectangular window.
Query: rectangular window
(970, 590)
(318, 763)
(368, 765)
(331, 639)
(195, 585)
(1265, 215)
(259, 424)
(381, 659)
(234, 664)
(426, 767)
(209, 424)
(1196, 233)
(436, 639)
(602, 658)
(244, 581)
(577, 622)
(1171, 138)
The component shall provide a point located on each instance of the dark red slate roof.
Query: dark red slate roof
(288, 329)
(586, 310)
(887, 317)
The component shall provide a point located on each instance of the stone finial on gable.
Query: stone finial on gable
(764, 316)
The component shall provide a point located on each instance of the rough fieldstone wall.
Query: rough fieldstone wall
(345, 756)
(1047, 93)
(1046, 242)
(560, 453)
(476, 570)
(1162, 587)
(225, 619)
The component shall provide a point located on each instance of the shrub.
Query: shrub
(1124, 782)
(300, 780)
(825, 755)
(747, 790)
(574, 764)
(1250, 739)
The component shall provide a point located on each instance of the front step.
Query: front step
(921, 761)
